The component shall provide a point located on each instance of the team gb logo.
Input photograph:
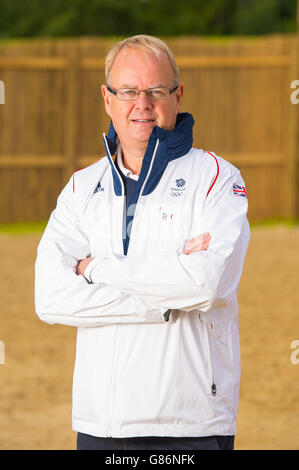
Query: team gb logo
(180, 182)
(179, 188)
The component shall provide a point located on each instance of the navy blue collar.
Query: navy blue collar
(163, 145)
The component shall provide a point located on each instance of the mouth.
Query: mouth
(144, 121)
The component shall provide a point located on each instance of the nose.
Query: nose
(143, 101)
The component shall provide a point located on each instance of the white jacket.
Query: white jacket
(137, 374)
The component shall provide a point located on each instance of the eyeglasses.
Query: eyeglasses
(132, 94)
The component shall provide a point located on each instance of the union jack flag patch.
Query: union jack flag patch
(239, 190)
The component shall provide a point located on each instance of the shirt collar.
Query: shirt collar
(121, 166)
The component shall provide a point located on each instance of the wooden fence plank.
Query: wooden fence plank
(32, 161)
(71, 120)
(58, 161)
(228, 61)
(186, 62)
(237, 90)
(33, 63)
(293, 141)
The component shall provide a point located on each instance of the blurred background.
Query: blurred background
(239, 62)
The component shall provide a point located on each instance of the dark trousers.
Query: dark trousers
(87, 442)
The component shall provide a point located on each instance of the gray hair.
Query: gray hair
(144, 42)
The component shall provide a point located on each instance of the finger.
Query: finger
(192, 248)
(203, 237)
(200, 242)
(198, 245)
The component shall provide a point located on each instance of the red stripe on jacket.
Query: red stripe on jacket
(217, 174)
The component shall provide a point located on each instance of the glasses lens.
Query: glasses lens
(127, 94)
(158, 93)
(130, 94)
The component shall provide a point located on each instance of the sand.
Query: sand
(36, 378)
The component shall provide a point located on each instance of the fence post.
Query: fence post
(2, 353)
(71, 116)
(293, 160)
(2, 92)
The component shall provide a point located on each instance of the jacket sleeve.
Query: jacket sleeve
(61, 296)
(201, 280)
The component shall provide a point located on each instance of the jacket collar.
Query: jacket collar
(169, 145)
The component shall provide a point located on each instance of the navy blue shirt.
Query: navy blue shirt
(129, 185)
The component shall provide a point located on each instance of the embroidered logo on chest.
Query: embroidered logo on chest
(179, 188)
(98, 188)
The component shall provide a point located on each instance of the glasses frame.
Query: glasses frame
(170, 91)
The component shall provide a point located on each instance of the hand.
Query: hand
(199, 243)
(82, 265)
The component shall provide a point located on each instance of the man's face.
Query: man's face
(134, 120)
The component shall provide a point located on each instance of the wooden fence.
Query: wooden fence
(238, 91)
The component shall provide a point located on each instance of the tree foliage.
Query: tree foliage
(33, 18)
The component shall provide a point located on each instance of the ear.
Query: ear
(179, 95)
(107, 99)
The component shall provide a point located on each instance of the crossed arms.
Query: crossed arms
(199, 243)
(131, 290)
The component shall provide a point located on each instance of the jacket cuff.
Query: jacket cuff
(88, 270)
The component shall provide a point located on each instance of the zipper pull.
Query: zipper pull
(167, 314)
(213, 390)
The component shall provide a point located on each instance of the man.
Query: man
(144, 254)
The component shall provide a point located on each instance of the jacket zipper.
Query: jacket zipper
(168, 312)
(113, 366)
(210, 331)
(144, 183)
(114, 358)
(122, 187)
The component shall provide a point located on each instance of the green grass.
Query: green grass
(23, 227)
(272, 222)
(222, 38)
(39, 226)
